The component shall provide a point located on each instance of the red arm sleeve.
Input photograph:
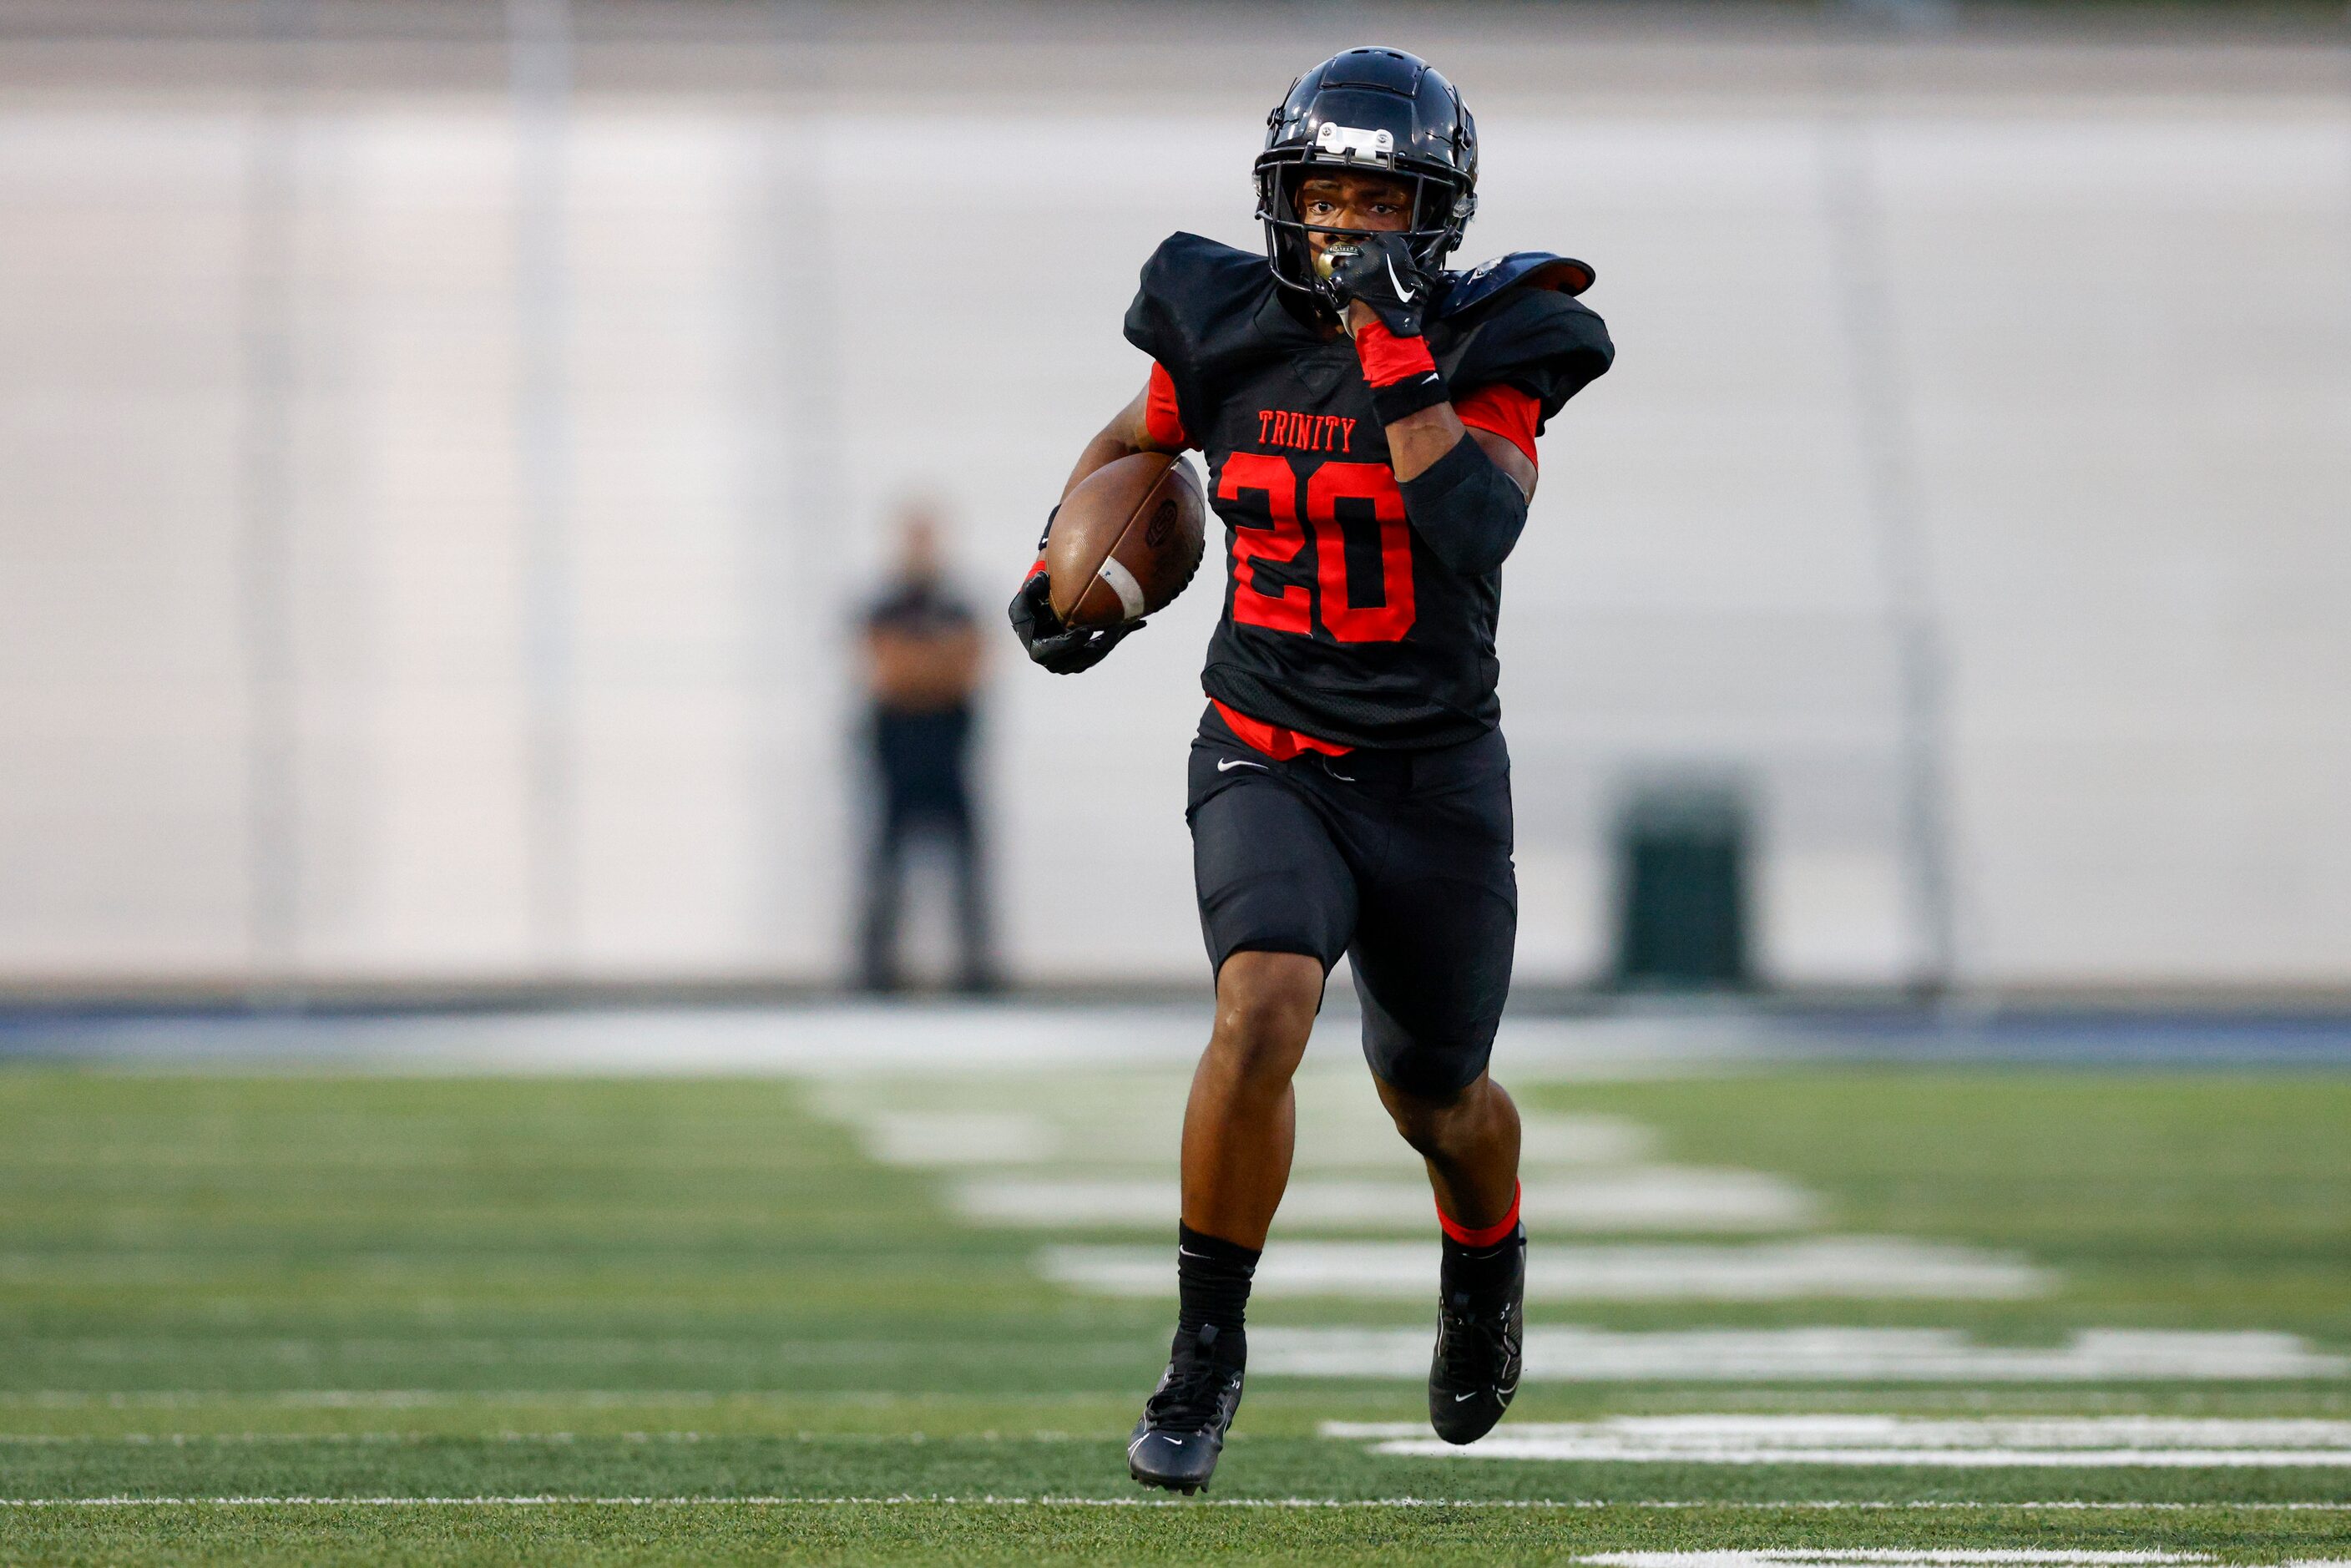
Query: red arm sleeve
(1161, 418)
(1503, 410)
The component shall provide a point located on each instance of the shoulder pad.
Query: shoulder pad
(1197, 314)
(1535, 339)
(1520, 268)
(1198, 274)
(1195, 297)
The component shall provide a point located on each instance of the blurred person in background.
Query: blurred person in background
(923, 660)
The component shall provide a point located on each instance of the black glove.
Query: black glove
(1064, 650)
(1379, 270)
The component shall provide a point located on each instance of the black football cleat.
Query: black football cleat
(1481, 1339)
(1182, 1432)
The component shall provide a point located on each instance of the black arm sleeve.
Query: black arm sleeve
(1467, 511)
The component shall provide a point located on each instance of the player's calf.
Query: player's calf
(1471, 1143)
(1182, 1432)
(1480, 1327)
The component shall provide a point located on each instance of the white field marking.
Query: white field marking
(1640, 1199)
(2064, 1432)
(1849, 1266)
(1576, 1452)
(1136, 1117)
(188, 1440)
(1814, 1355)
(1547, 1140)
(856, 1038)
(375, 1398)
(226, 1439)
(1805, 1505)
(941, 1138)
(1135, 1120)
(1799, 1557)
(2098, 1443)
(1802, 1557)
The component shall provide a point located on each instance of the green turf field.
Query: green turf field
(307, 1318)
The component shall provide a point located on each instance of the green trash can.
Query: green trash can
(1681, 861)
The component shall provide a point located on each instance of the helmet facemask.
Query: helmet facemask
(1441, 206)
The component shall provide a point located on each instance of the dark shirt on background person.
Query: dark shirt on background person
(922, 662)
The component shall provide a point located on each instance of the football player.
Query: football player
(1369, 422)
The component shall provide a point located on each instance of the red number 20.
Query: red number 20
(1328, 486)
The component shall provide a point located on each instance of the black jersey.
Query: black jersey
(1338, 620)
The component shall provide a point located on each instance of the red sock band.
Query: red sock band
(1492, 1235)
(1388, 359)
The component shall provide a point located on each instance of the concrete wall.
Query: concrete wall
(434, 511)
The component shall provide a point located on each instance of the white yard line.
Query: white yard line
(1647, 1438)
(852, 1038)
(1130, 1127)
(1765, 1432)
(1801, 1557)
(1567, 1355)
(380, 1399)
(1796, 1557)
(227, 1439)
(2093, 1443)
(955, 1138)
(1836, 1555)
(904, 1499)
(1829, 1266)
(1568, 1451)
(1634, 1198)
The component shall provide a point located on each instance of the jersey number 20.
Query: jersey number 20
(1323, 489)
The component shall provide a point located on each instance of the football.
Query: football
(1127, 540)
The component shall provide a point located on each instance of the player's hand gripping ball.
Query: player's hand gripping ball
(1063, 650)
(1380, 271)
(1124, 543)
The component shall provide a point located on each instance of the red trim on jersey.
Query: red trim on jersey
(1503, 410)
(1492, 1235)
(1276, 742)
(1162, 420)
(1388, 359)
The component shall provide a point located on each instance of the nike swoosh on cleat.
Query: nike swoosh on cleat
(1460, 1397)
(1226, 764)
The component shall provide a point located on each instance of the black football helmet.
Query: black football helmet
(1369, 108)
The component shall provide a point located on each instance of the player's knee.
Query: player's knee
(1436, 1124)
(1266, 1004)
(1429, 1126)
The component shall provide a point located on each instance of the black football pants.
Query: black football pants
(903, 826)
(1399, 859)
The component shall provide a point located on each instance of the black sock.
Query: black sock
(1481, 1271)
(1212, 1278)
